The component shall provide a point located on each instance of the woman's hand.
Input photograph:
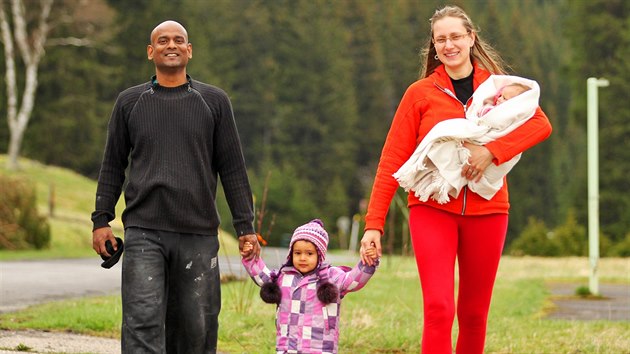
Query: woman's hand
(480, 158)
(371, 238)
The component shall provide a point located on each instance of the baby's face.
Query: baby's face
(507, 93)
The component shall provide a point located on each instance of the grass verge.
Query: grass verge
(73, 200)
(385, 316)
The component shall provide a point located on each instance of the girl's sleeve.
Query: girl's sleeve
(351, 279)
(257, 270)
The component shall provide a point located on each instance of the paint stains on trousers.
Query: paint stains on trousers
(171, 295)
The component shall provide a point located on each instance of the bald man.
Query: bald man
(177, 136)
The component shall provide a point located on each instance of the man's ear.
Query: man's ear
(150, 52)
(189, 50)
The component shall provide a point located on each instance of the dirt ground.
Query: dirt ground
(53, 342)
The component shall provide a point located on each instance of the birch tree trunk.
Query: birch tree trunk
(31, 51)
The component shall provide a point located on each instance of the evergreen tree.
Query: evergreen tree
(600, 35)
(368, 75)
(289, 201)
(238, 55)
(315, 84)
(317, 107)
(526, 48)
(135, 21)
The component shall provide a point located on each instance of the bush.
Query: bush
(583, 291)
(535, 240)
(571, 238)
(621, 249)
(20, 225)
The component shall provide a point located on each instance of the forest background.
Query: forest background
(315, 83)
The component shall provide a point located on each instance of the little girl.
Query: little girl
(307, 291)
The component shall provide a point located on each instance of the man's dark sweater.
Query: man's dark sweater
(177, 141)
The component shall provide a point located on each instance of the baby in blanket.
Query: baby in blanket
(434, 169)
(504, 94)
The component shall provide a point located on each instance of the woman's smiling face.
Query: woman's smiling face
(453, 43)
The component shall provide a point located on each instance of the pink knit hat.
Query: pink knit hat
(314, 232)
(327, 292)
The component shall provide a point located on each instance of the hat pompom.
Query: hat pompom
(271, 293)
(327, 292)
(317, 221)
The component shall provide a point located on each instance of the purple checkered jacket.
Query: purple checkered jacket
(303, 323)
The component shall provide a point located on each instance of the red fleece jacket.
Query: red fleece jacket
(426, 103)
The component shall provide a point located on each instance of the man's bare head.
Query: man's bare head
(170, 51)
(169, 25)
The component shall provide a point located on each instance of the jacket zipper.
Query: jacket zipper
(450, 93)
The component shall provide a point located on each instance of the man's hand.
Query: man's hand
(252, 239)
(99, 236)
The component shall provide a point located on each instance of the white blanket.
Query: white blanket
(434, 169)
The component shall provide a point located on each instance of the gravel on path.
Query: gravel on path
(56, 342)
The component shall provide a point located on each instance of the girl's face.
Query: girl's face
(304, 256)
(452, 43)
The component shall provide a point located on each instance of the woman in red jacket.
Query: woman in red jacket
(469, 228)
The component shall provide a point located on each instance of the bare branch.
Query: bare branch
(19, 25)
(30, 55)
(42, 30)
(73, 41)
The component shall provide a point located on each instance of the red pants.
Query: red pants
(439, 238)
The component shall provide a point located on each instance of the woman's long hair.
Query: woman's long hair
(481, 53)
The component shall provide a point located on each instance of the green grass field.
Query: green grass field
(384, 317)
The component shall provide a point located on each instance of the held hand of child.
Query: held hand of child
(253, 249)
(371, 252)
(371, 239)
(247, 249)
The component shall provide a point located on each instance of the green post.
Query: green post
(593, 179)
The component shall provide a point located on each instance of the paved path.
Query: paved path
(30, 282)
(24, 283)
(614, 305)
